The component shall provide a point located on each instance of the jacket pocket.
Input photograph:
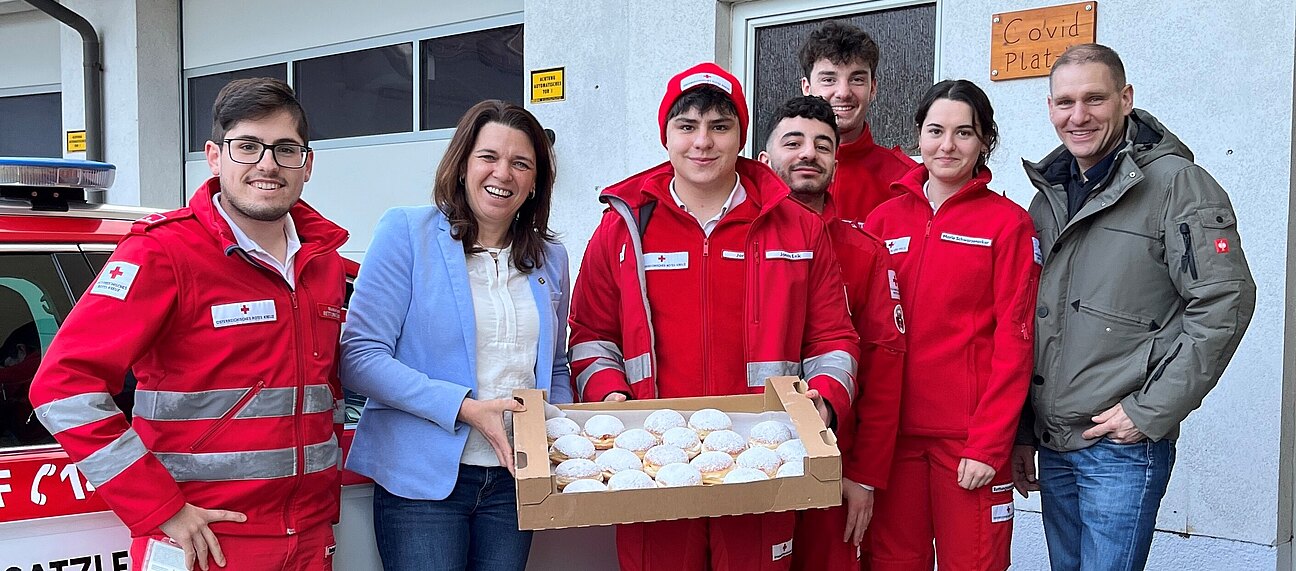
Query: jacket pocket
(1160, 370)
(229, 415)
(1117, 316)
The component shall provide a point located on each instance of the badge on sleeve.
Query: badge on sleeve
(1221, 245)
(895, 286)
(899, 318)
(898, 245)
(115, 280)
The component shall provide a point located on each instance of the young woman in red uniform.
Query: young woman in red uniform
(968, 262)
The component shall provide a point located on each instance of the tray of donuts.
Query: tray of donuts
(663, 459)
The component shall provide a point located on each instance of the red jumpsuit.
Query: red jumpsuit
(237, 405)
(867, 444)
(969, 273)
(864, 175)
(659, 309)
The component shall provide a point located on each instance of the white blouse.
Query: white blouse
(508, 331)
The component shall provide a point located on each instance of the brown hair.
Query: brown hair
(530, 229)
(964, 91)
(1092, 53)
(252, 99)
(840, 44)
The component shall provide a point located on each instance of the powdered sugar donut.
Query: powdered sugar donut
(577, 469)
(678, 475)
(791, 469)
(713, 465)
(708, 420)
(791, 450)
(685, 439)
(760, 458)
(726, 441)
(661, 455)
(602, 429)
(571, 446)
(630, 480)
(636, 440)
(740, 474)
(770, 434)
(585, 485)
(662, 420)
(618, 460)
(556, 428)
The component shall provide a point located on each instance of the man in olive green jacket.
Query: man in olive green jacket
(1144, 296)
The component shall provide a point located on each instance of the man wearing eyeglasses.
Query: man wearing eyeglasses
(228, 313)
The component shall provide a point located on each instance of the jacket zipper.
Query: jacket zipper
(228, 416)
(1189, 261)
(1115, 317)
(756, 260)
(1157, 375)
(297, 416)
(706, 336)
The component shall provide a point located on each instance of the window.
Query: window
(366, 92)
(33, 302)
(202, 95)
(906, 38)
(461, 70)
(31, 125)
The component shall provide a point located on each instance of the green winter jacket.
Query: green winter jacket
(1144, 294)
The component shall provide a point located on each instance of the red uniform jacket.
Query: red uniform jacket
(969, 275)
(865, 172)
(873, 296)
(661, 310)
(237, 405)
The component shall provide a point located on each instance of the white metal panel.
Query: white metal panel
(36, 37)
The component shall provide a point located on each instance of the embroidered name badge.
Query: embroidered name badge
(969, 240)
(666, 261)
(898, 245)
(1039, 255)
(1001, 513)
(732, 255)
(895, 286)
(115, 280)
(781, 550)
(786, 255)
(1001, 488)
(243, 313)
(332, 311)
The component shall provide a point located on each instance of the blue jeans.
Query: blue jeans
(475, 528)
(1100, 504)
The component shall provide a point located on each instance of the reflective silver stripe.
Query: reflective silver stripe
(106, 463)
(322, 456)
(622, 208)
(319, 398)
(339, 411)
(638, 368)
(248, 465)
(598, 365)
(591, 349)
(75, 411)
(836, 364)
(213, 404)
(267, 403)
(758, 371)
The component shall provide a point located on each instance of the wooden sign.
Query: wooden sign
(547, 84)
(1027, 42)
(76, 141)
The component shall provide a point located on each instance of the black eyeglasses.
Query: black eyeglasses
(249, 152)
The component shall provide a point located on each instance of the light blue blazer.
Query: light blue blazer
(410, 345)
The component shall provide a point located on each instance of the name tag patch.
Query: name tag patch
(781, 550)
(732, 255)
(895, 286)
(243, 313)
(898, 245)
(115, 280)
(1001, 488)
(786, 255)
(1001, 513)
(969, 240)
(666, 261)
(335, 313)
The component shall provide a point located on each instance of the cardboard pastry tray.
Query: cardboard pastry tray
(542, 506)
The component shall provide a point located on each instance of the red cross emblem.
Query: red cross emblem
(661, 258)
(1221, 246)
(244, 309)
(116, 271)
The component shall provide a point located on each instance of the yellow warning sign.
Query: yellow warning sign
(547, 85)
(76, 141)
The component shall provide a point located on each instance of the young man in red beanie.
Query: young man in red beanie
(705, 278)
(840, 65)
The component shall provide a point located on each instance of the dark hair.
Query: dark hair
(1092, 53)
(840, 44)
(252, 99)
(530, 228)
(964, 91)
(704, 98)
(806, 107)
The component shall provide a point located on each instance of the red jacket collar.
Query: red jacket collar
(859, 148)
(312, 227)
(764, 188)
(913, 181)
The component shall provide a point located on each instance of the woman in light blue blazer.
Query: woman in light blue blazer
(456, 305)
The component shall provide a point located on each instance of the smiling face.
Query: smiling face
(498, 177)
(263, 191)
(848, 87)
(802, 152)
(1088, 110)
(703, 149)
(950, 143)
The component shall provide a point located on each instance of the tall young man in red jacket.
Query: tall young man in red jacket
(801, 149)
(228, 313)
(840, 65)
(704, 278)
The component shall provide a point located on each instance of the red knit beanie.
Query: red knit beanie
(705, 73)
